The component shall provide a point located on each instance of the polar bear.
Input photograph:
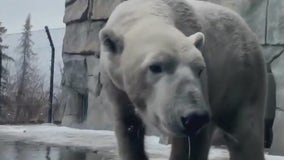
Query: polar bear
(185, 67)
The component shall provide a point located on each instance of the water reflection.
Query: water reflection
(22, 151)
(65, 155)
(48, 153)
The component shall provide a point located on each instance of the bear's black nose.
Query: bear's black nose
(195, 121)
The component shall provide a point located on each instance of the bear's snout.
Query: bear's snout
(194, 122)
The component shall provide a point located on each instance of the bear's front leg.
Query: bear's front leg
(246, 140)
(129, 128)
(180, 148)
(200, 143)
(130, 131)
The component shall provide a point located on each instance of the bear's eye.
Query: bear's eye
(200, 71)
(155, 68)
(111, 45)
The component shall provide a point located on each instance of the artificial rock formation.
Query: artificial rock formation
(84, 19)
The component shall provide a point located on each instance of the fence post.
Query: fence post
(0, 69)
(50, 111)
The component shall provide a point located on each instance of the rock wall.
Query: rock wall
(84, 19)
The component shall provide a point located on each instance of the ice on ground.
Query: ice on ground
(53, 135)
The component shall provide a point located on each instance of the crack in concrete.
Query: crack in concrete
(276, 56)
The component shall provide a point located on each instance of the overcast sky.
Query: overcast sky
(13, 14)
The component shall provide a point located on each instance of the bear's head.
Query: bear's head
(162, 71)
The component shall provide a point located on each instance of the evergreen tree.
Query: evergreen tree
(27, 73)
(3, 57)
(30, 94)
(26, 57)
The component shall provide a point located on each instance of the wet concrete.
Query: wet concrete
(24, 151)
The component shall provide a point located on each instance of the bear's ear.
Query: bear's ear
(198, 39)
(113, 43)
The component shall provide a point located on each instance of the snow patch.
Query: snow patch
(93, 140)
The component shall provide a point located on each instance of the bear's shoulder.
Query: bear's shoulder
(190, 16)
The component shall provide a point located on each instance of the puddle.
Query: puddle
(23, 151)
